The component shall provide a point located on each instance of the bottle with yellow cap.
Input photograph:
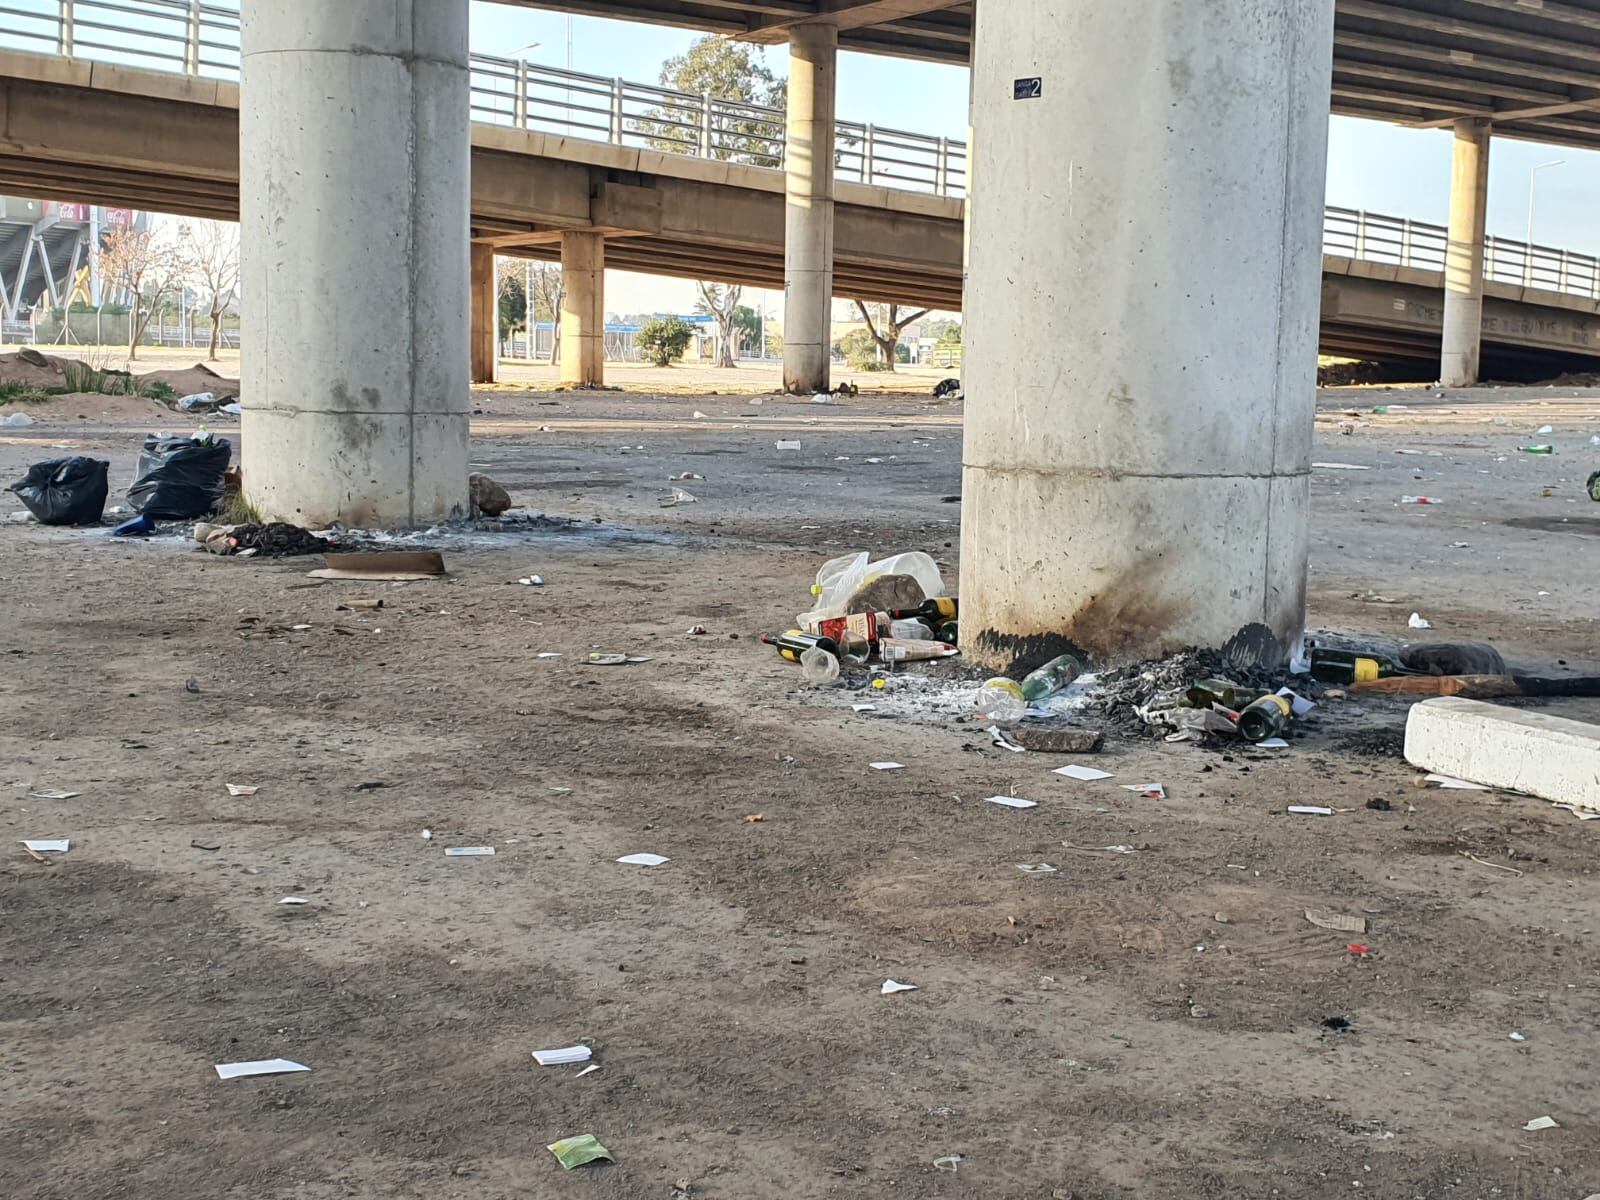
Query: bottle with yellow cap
(1353, 666)
(1265, 718)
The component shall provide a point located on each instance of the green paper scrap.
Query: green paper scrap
(576, 1151)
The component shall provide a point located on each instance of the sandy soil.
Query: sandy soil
(1100, 1032)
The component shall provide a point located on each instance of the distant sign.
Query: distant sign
(1028, 89)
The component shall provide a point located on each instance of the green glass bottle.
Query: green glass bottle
(1051, 678)
(933, 610)
(792, 643)
(1353, 666)
(1265, 718)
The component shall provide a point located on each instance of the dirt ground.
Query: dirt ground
(1155, 1024)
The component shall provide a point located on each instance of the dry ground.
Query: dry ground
(1094, 1033)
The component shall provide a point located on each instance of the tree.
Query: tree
(886, 326)
(143, 265)
(548, 292)
(663, 339)
(748, 321)
(511, 296)
(732, 72)
(210, 264)
(860, 350)
(722, 302)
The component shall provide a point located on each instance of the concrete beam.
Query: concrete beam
(1532, 752)
(843, 15)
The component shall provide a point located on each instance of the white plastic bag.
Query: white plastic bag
(841, 578)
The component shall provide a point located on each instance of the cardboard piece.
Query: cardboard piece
(399, 566)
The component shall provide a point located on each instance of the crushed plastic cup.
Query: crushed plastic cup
(818, 666)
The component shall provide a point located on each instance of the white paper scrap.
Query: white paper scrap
(242, 789)
(1085, 774)
(1012, 802)
(467, 851)
(1451, 782)
(888, 766)
(1042, 868)
(1311, 810)
(1517, 1037)
(1272, 744)
(561, 1058)
(54, 795)
(549, 654)
(1150, 791)
(644, 860)
(787, 445)
(586, 1070)
(1298, 703)
(266, 1066)
(864, 707)
(1418, 621)
(294, 900)
(1004, 742)
(1539, 1123)
(890, 987)
(48, 845)
(1333, 466)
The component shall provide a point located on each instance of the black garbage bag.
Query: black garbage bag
(1453, 658)
(179, 478)
(65, 491)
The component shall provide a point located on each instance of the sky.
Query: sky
(1379, 167)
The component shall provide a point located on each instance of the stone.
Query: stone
(489, 499)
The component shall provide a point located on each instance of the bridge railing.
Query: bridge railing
(1355, 233)
(201, 37)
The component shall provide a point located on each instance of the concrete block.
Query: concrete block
(1542, 755)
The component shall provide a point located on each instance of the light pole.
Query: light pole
(1527, 250)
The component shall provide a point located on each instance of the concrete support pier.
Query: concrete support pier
(1141, 309)
(808, 210)
(485, 316)
(354, 183)
(1463, 265)
(583, 309)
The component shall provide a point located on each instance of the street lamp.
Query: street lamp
(1527, 250)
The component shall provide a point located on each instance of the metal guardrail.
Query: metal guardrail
(201, 37)
(1354, 233)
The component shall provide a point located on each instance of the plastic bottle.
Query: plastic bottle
(1056, 675)
(818, 666)
(910, 631)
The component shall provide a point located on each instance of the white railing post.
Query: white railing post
(68, 32)
(519, 105)
(1527, 264)
(1361, 234)
(1488, 257)
(1566, 262)
(617, 92)
(705, 125)
(191, 40)
(941, 171)
(869, 168)
(1405, 242)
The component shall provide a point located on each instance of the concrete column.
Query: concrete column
(583, 309)
(485, 316)
(1141, 311)
(1463, 264)
(353, 133)
(808, 209)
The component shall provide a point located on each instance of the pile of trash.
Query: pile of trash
(275, 539)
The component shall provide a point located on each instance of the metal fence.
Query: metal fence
(201, 37)
(1407, 243)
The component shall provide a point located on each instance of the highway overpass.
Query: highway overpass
(137, 138)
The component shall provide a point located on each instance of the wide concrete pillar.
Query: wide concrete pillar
(808, 209)
(485, 335)
(1141, 308)
(583, 309)
(1463, 264)
(353, 133)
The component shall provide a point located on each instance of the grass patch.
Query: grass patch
(14, 391)
(236, 510)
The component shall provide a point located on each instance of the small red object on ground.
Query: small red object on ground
(1358, 950)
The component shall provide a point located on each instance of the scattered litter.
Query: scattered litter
(1084, 774)
(1539, 1123)
(1517, 1037)
(1450, 782)
(294, 900)
(1272, 744)
(875, 461)
(787, 445)
(888, 766)
(17, 419)
(1545, 429)
(241, 789)
(644, 860)
(549, 654)
(700, 416)
(48, 845)
(1336, 466)
(860, 708)
(266, 1066)
(755, 818)
(354, 605)
(1418, 621)
(1358, 949)
(397, 566)
(467, 851)
(696, 631)
(684, 478)
(427, 835)
(599, 658)
(1419, 500)
(1042, 868)
(1298, 704)
(890, 987)
(1003, 742)
(1540, 449)
(679, 496)
(531, 581)
(1326, 918)
(587, 1070)
(65, 491)
(948, 1163)
(1486, 863)
(1012, 802)
(1310, 810)
(585, 1148)
(562, 1058)
(210, 846)
(54, 795)
(1147, 791)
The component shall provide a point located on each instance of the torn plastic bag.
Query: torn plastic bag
(840, 579)
(180, 478)
(65, 491)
